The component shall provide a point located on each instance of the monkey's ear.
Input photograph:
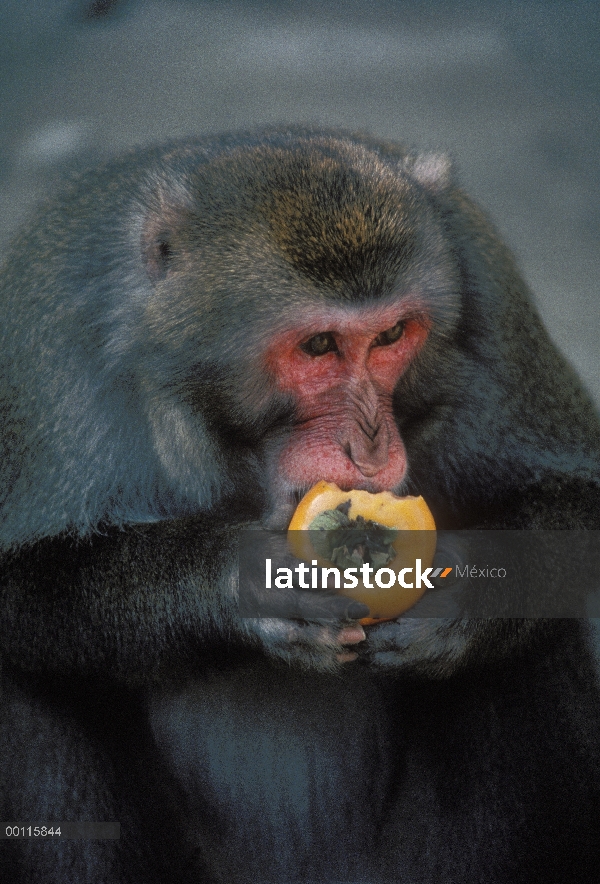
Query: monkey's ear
(158, 256)
(432, 170)
(161, 239)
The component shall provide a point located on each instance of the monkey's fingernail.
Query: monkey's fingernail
(356, 610)
(351, 635)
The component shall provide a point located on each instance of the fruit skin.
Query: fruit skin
(404, 513)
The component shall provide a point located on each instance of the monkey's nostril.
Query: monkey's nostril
(367, 469)
(365, 465)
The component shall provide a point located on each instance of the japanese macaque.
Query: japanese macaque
(192, 336)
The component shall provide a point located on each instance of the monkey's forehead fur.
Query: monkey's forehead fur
(304, 213)
(346, 214)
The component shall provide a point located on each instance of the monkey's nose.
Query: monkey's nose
(368, 453)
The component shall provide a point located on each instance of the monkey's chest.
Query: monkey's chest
(286, 775)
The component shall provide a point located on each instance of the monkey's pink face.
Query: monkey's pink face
(341, 367)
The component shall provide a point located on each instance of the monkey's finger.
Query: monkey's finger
(349, 635)
(346, 657)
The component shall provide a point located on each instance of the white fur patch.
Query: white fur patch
(432, 170)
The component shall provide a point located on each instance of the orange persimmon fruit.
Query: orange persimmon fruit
(381, 511)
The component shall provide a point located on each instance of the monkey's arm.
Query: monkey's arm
(559, 502)
(133, 604)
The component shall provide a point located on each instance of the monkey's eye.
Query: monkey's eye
(390, 335)
(320, 344)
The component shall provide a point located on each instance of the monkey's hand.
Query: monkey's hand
(433, 647)
(430, 638)
(438, 635)
(437, 648)
(310, 628)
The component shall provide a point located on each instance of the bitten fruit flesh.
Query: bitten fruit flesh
(349, 528)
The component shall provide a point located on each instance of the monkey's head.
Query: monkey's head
(298, 288)
(245, 316)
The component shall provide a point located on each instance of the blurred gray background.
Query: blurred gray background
(509, 89)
